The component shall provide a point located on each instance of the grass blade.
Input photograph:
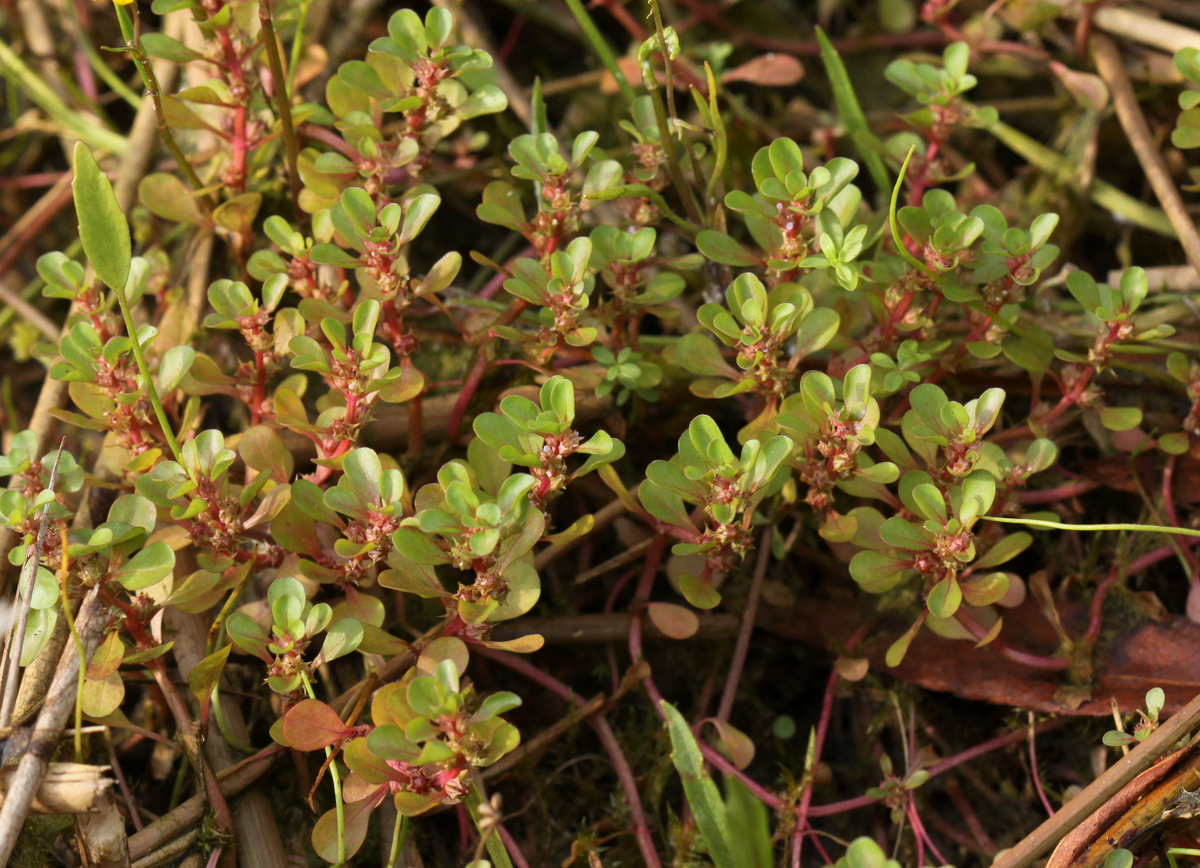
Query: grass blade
(702, 795)
(1062, 170)
(851, 113)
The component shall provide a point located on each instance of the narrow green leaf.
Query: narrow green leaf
(851, 113)
(103, 231)
(894, 224)
(711, 816)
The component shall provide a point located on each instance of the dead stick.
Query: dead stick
(602, 519)
(174, 848)
(599, 627)
(16, 644)
(258, 840)
(1103, 788)
(545, 738)
(49, 727)
(1112, 70)
(232, 781)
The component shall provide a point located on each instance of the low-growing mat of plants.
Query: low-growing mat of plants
(505, 433)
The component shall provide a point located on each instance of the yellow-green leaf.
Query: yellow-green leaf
(103, 231)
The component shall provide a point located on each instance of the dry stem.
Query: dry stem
(1102, 789)
(1112, 69)
(49, 727)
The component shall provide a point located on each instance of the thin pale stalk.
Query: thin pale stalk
(1112, 69)
(96, 62)
(673, 167)
(32, 85)
(284, 103)
(63, 573)
(139, 356)
(298, 44)
(131, 30)
(21, 618)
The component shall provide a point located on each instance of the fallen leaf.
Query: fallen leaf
(852, 668)
(674, 621)
(773, 70)
(1127, 664)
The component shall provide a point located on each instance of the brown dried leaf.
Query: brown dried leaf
(734, 743)
(852, 668)
(773, 70)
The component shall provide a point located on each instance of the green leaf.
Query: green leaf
(945, 597)
(247, 635)
(497, 703)
(161, 45)
(697, 354)
(703, 798)
(721, 248)
(103, 231)
(895, 654)
(205, 675)
(342, 638)
(152, 564)
(174, 365)
(876, 572)
(1120, 418)
(904, 535)
(1004, 551)
(749, 824)
(851, 113)
(985, 590)
(930, 502)
(699, 592)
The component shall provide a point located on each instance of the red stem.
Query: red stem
(510, 844)
(470, 385)
(330, 138)
(920, 831)
(1052, 495)
(260, 382)
(1032, 660)
(600, 723)
(802, 812)
(740, 650)
(1033, 769)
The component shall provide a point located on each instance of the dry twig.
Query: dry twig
(1112, 69)
(49, 726)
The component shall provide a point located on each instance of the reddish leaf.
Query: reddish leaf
(852, 668)
(107, 658)
(357, 816)
(312, 724)
(1126, 665)
(674, 621)
(772, 70)
(734, 743)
